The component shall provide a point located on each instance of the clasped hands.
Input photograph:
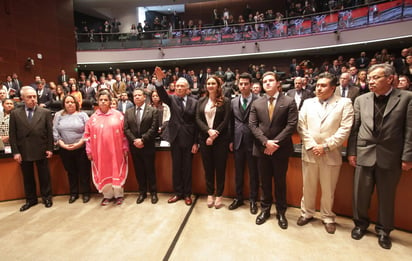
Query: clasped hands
(318, 150)
(213, 134)
(271, 147)
(138, 143)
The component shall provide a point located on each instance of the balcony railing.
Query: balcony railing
(335, 21)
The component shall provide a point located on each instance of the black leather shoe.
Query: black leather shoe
(385, 241)
(86, 198)
(262, 217)
(154, 198)
(48, 203)
(357, 233)
(73, 198)
(141, 198)
(27, 206)
(235, 204)
(253, 207)
(282, 221)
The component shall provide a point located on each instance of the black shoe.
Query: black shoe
(73, 198)
(282, 221)
(154, 197)
(27, 206)
(262, 217)
(357, 233)
(141, 198)
(235, 204)
(86, 198)
(385, 241)
(48, 203)
(253, 207)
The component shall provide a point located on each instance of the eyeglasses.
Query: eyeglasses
(376, 77)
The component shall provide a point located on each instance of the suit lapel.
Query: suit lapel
(392, 102)
(369, 108)
(330, 107)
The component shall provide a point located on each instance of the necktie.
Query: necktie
(138, 118)
(181, 103)
(244, 104)
(344, 92)
(30, 115)
(271, 108)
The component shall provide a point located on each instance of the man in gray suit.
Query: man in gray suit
(31, 140)
(140, 127)
(242, 144)
(379, 147)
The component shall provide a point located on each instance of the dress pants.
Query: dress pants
(214, 160)
(112, 192)
(182, 169)
(243, 155)
(78, 169)
(273, 167)
(327, 176)
(43, 171)
(144, 166)
(386, 181)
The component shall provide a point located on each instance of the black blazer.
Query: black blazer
(281, 128)
(149, 126)
(220, 123)
(31, 139)
(182, 124)
(46, 97)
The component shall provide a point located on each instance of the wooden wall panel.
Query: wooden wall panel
(33, 27)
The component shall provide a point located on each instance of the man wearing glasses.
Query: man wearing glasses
(379, 147)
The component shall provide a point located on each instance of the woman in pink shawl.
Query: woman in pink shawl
(107, 148)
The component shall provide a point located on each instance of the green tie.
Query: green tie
(244, 105)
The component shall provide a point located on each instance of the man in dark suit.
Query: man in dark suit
(298, 93)
(345, 88)
(44, 95)
(379, 147)
(31, 140)
(124, 102)
(63, 77)
(140, 127)
(400, 62)
(182, 131)
(242, 144)
(362, 62)
(89, 91)
(273, 120)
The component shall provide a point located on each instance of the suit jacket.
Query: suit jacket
(149, 126)
(31, 139)
(306, 94)
(362, 64)
(239, 126)
(393, 144)
(182, 124)
(332, 127)
(60, 79)
(281, 128)
(46, 97)
(118, 88)
(334, 71)
(220, 123)
(353, 92)
(129, 104)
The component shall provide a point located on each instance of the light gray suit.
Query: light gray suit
(379, 157)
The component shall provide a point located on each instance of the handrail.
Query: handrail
(339, 20)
